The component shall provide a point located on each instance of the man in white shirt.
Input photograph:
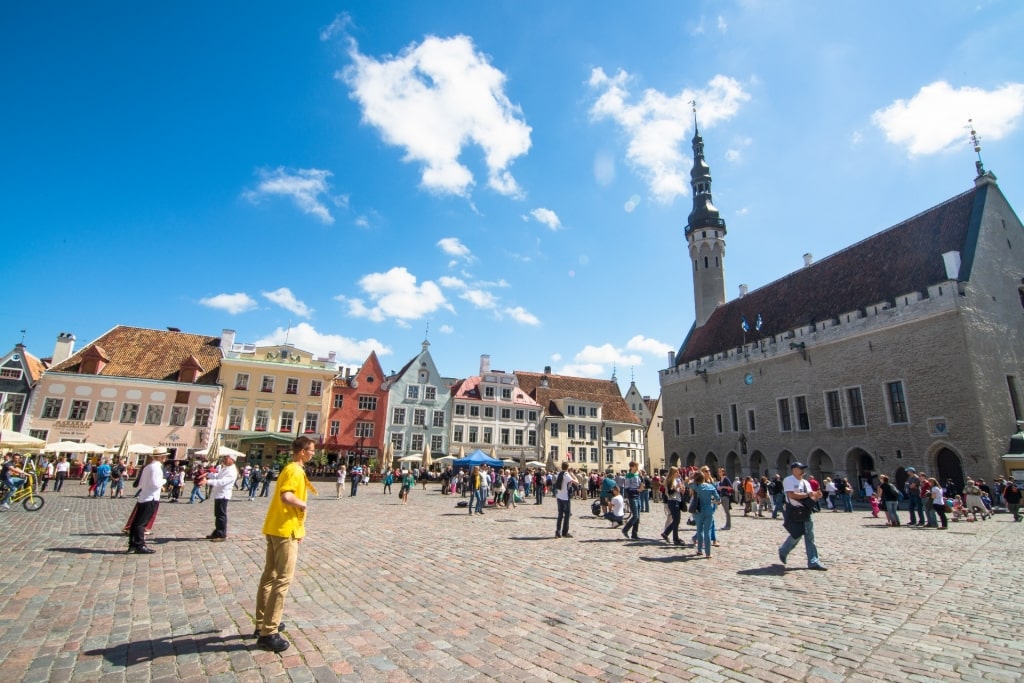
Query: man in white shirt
(562, 482)
(150, 482)
(222, 483)
(797, 516)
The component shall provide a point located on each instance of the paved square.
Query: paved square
(386, 592)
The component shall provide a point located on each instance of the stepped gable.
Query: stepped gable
(603, 391)
(151, 354)
(902, 259)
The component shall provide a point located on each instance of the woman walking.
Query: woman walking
(938, 502)
(705, 498)
(408, 481)
(725, 492)
(673, 498)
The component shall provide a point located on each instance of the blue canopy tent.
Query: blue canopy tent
(477, 457)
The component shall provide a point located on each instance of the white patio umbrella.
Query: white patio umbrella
(411, 458)
(447, 458)
(122, 450)
(12, 439)
(140, 449)
(73, 447)
(389, 457)
(536, 463)
(218, 451)
(427, 461)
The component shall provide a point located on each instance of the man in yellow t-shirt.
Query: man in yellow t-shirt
(284, 527)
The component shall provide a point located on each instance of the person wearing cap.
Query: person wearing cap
(151, 480)
(912, 489)
(284, 527)
(223, 483)
(799, 494)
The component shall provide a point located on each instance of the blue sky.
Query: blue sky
(514, 174)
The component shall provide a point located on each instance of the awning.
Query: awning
(266, 436)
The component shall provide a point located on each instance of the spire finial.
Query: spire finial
(426, 334)
(693, 104)
(976, 143)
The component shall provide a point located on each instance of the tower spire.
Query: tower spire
(976, 142)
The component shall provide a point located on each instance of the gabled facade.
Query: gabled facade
(585, 422)
(642, 406)
(19, 373)
(272, 394)
(419, 402)
(492, 413)
(905, 349)
(160, 384)
(357, 421)
(655, 441)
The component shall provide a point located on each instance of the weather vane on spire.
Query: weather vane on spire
(693, 104)
(976, 142)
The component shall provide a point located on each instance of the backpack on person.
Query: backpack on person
(558, 481)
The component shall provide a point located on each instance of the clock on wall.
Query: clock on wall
(748, 379)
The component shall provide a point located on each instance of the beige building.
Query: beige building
(272, 394)
(655, 441)
(905, 349)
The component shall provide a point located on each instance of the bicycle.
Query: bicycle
(27, 494)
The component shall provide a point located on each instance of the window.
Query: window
(504, 435)
(593, 412)
(311, 425)
(242, 381)
(51, 408)
(609, 455)
(607, 433)
(235, 417)
(897, 402)
(489, 412)
(570, 453)
(439, 418)
(104, 411)
(718, 423)
(367, 403)
(570, 431)
(339, 400)
(267, 385)
(11, 373)
(570, 410)
(553, 453)
(532, 416)
(202, 418)
(519, 437)
(856, 403)
(430, 393)
(39, 433)
(436, 443)
(834, 408)
(291, 386)
(287, 421)
(488, 435)
(417, 442)
(803, 420)
(531, 438)
(474, 411)
(397, 439)
(335, 427)
(488, 392)
(179, 415)
(460, 409)
(1011, 384)
(130, 413)
(785, 420)
(316, 387)
(398, 416)
(520, 414)
(506, 394)
(506, 413)
(734, 418)
(554, 430)
(364, 430)
(593, 432)
(154, 414)
(419, 417)
(457, 434)
(473, 435)
(262, 420)
(412, 391)
(751, 422)
(79, 410)
(593, 455)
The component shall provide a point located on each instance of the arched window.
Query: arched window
(705, 261)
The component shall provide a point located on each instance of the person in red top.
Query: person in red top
(929, 511)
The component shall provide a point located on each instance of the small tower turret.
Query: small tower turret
(705, 235)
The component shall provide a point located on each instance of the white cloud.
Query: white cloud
(555, 357)
(446, 329)
(304, 186)
(547, 217)
(453, 247)
(658, 124)
(435, 98)
(521, 315)
(606, 354)
(933, 120)
(480, 298)
(856, 138)
(743, 211)
(340, 23)
(647, 345)
(604, 168)
(451, 282)
(582, 370)
(306, 338)
(396, 295)
(722, 26)
(284, 298)
(732, 155)
(231, 303)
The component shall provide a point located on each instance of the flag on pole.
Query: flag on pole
(744, 324)
(758, 323)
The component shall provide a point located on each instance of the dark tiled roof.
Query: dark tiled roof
(151, 354)
(652, 404)
(603, 391)
(902, 259)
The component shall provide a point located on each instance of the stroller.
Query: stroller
(975, 507)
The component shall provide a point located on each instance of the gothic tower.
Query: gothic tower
(705, 234)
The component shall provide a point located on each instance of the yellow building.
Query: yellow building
(271, 395)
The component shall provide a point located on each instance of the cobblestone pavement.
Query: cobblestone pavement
(426, 592)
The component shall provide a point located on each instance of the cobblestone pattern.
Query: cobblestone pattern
(425, 592)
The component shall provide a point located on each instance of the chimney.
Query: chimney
(227, 340)
(547, 369)
(743, 291)
(952, 261)
(671, 359)
(64, 347)
(808, 259)
(485, 363)
(332, 356)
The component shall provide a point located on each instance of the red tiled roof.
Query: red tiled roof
(603, 391)
(34, 366)
(902, 259)
(150, 354)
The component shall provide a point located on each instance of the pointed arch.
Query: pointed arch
(733, 465)
(758, 464)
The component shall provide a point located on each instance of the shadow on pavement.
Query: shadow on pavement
(129, 654)
(689, 557)
(88, 551)
(107, 533)
(770, 570)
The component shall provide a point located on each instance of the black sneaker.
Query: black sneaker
(818, 567)
(273, 642)
(566, 535)
(281, 628)
(782, 558)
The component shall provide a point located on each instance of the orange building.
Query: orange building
(358, 410)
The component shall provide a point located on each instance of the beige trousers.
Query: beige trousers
(278, 571)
